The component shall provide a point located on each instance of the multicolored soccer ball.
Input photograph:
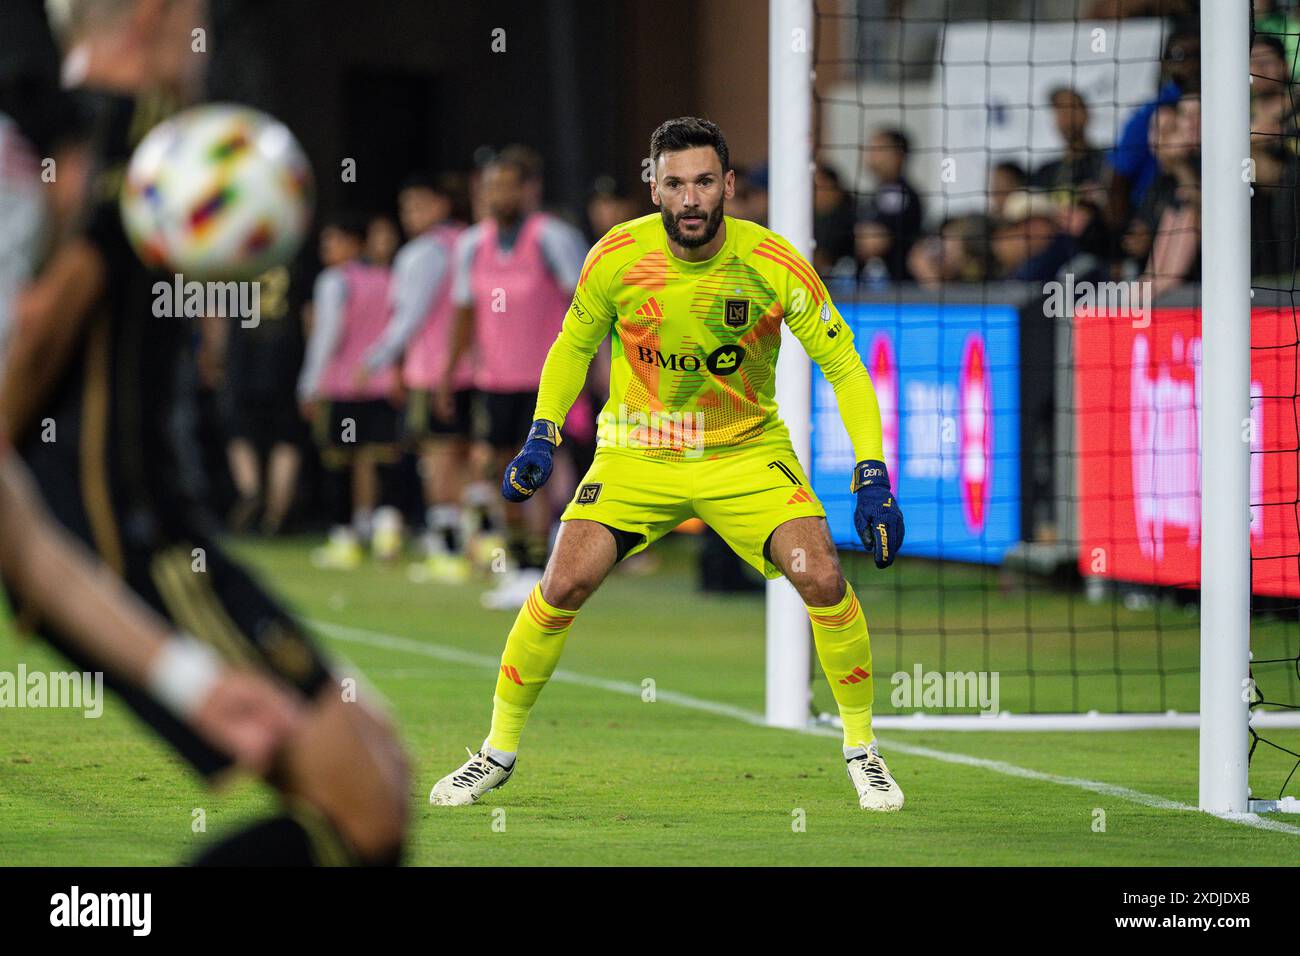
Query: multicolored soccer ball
(217, 192)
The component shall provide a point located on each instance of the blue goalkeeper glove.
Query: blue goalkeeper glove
(532, 466)
(877, 517)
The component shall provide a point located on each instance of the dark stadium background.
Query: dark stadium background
(405, 86)
(400, 85)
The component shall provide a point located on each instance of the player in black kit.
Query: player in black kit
(96, 418)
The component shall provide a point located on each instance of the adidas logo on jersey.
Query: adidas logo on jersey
(650, 309)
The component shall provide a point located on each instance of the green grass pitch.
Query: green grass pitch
(608, 778)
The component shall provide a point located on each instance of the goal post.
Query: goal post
(1225, 406)
(790, 159)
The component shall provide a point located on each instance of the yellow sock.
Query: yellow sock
(844, 649)
(532, 651)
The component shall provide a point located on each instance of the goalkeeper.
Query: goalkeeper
(694, 302)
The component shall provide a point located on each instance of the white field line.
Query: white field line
(455, 655)
(1093, 722)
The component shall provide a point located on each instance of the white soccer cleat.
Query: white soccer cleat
(877, 789)
(512, 593)
(477, 775)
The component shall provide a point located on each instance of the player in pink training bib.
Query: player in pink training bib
(352, 414)
(418, 340)
(515, 272)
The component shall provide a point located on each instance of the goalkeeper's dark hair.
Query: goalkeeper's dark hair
(686, 132)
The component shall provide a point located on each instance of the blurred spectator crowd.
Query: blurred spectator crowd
(1124, 210)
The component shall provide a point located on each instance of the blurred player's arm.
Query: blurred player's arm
(240, 713)
(48, 319)
(51, 312)
(418, 276)
(329, 299)
(56, 124)
(587, 323)
(828, 340)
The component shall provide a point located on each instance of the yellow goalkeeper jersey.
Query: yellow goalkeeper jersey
(695, 344)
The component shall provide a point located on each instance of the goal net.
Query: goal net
(1007, 210)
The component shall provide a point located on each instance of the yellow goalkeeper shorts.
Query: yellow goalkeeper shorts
(743, 495)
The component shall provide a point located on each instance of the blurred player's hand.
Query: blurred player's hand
(877, 517)
(531, 467)
(248, 717)
(308, 410)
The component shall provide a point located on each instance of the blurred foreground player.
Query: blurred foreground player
(695, 301)
(98, 434)
(237, 711)
(39, 125)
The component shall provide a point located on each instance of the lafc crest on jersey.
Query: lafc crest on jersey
(736, 313)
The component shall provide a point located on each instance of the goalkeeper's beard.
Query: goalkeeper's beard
(711, 226)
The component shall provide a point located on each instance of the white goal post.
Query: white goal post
(1225, 594)
(790, 210)
(1225, 405)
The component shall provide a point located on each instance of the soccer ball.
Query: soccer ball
(217, 192)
